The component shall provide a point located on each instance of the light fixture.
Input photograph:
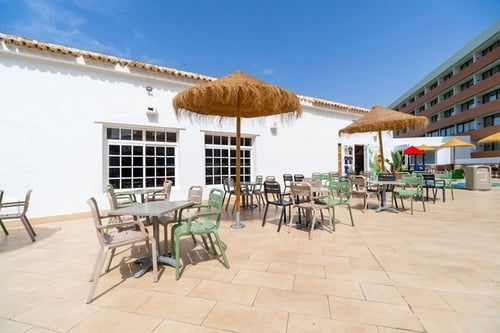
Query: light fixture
(149, 89)
(151, 111)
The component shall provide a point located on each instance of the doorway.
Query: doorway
(359, 158)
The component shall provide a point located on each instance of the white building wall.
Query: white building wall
(51, 129)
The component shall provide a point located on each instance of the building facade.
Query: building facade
(73, 121)
(461, 97)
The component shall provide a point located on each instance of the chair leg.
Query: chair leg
(265, 214)
(313, 222)
(283, 213)
(97, 272)
(154, 256)
(28, 228)
(3, 227)
(177, 257)
(110, 259)
(350, 213)
(221, 247)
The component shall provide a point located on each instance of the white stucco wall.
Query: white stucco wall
(51, 129)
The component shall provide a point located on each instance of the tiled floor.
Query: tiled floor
(437, 271)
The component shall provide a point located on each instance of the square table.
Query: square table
(383, 184)
(153, 209)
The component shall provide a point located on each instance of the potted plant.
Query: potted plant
(396, 163)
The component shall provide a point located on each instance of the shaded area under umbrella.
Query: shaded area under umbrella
(381, 119)
(414, 151)
(456, 143)
(237, 95)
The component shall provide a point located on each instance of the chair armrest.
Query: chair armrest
(12, 204)
(121, 225)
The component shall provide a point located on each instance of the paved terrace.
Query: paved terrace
(437, 271)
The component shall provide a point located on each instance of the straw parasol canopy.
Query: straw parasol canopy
(454, 143)
(491, 138)
(237, 95)
(381, 119)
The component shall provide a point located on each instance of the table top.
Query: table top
(385, 182)
(151, 208)
(137, 191)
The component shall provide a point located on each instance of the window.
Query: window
(467, 105)
(491, 96)
(432, 86)
(467, 84)
(448, 76)
(434, 118)
(448, 113)
(220, 158)
(421, 108)
(490, 48)
(421, 94)
(450, 130)
(139, 158)
(491, 72)
(466, 126)
(466, 64)
(448, 94)
(491, 120)
(433, 133)
(434, 101)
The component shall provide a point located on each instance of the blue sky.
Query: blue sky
(354, 52)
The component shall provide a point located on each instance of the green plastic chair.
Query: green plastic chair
(205, 222)
(412, 189)
(447, 177)
(340, 195)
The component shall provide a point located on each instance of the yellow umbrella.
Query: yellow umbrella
(491, 138)
(425, 147)
(454, 143)
(381, 119)
(237, 96)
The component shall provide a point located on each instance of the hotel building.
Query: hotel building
(461, 96)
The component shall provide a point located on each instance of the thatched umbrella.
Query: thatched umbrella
(381, 119)
(454, 143)
(491, 138)
(237, 96)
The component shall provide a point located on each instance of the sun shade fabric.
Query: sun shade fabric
(491, 138)
(412, 150)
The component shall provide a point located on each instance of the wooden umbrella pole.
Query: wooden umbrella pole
(381, 148)
(238, 224)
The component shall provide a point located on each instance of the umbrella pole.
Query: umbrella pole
(237, 224)
(381, 148)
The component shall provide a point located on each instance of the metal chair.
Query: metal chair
(115, 235)
(274, 196)
(17, 210)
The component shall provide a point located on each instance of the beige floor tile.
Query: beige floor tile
(456, 322)
(111, 320)
(56, 314)
(361, 275)
(382, 293)
(225, 292)
(295, 302)
(425, 298)
(169, 326)
(313, 270)
(9, 326)
(301, 323)
(238, 318)
(14, 302)
(473, 304)
(180, 308)
(330, 287)
(374, 313)
(264, 279)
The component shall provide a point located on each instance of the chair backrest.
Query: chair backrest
(300, 192)
(312, 181)
(258, 179)
(195, 194)
(298, 177)
(342, 186)
(413, 180)
(287, 179)
(167, 189)
(272, 191)
(215, 199)
(96, 216)
(386, 177)
(316, 175)
(358, 184)
(270, 178)
(27, 201)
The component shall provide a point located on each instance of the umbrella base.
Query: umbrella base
(237, 224)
